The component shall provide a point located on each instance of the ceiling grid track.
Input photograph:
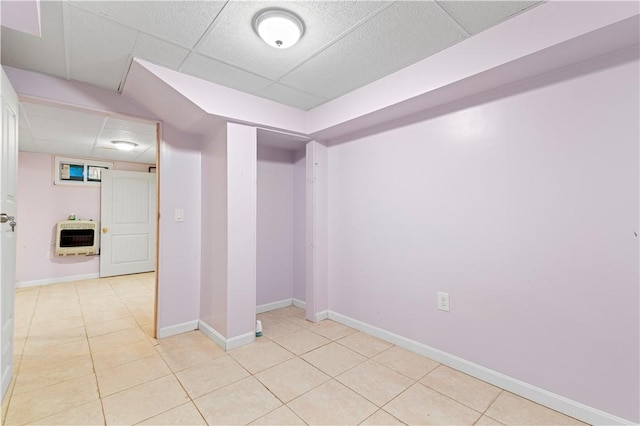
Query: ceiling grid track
(336, 39)
(139, 156)
(228, 64)
(25, 118)
(125, 73)
(66, 27)
(455, 21)
(115, 21)
(274, 82)
(204, 35)
(97, 138)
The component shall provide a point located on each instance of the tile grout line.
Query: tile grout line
(140, 327)
(286, 404)
(418, 381)
(93, 365)
(14, 380)
(330, 377)
(484, 413)
(380, 407)
(73, 298)
(28, 334)
(43, 299)
(191, 399)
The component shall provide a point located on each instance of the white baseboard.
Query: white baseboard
(549, 399)
(273, 306)
(243, 339)
(223, 342)
(177, 329)
(208, 331)
(281, 304)
(49, 281)
(322, 316)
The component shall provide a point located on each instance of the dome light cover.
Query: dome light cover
(124, 145)
(279, 28)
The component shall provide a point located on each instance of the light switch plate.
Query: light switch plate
(443, 301)
(178, 215)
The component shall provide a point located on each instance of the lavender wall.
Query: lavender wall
(316, 231)
(242, 160)
(299, 179)
(228, 244)
(179, 254)
(275, 256)
(41, 206)
(213, 291)
(281, 224)
(524, 209)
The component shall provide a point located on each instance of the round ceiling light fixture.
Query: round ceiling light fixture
(279, 28)
(124, 145)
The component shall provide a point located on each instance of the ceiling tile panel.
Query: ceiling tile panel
(147, 157)
(100, 50)
(63, 149)
(401, 35)
(293, 97)
(183, 22)
(223, 74)
(68, 115)
(159, 51)
(43, 54)
(27, 146)
(475, 16)
(234, 41)
(26, 142)
(56, 130)
(23, 128)
(132, 126)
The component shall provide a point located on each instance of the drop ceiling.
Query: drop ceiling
(71, 133)
(346, 45)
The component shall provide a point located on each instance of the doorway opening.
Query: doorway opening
(49, 131)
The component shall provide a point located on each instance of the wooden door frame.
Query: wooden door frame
(157, 276)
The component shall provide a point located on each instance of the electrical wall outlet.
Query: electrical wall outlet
(443, 301)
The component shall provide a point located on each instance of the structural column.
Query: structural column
(229, 210)
(242, 163)
(317, 303)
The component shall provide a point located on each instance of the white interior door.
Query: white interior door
(8, 208)
(128, 222)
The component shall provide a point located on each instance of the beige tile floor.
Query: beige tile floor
(84, 355)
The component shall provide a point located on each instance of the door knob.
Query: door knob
(104, 230)
(6, 218)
